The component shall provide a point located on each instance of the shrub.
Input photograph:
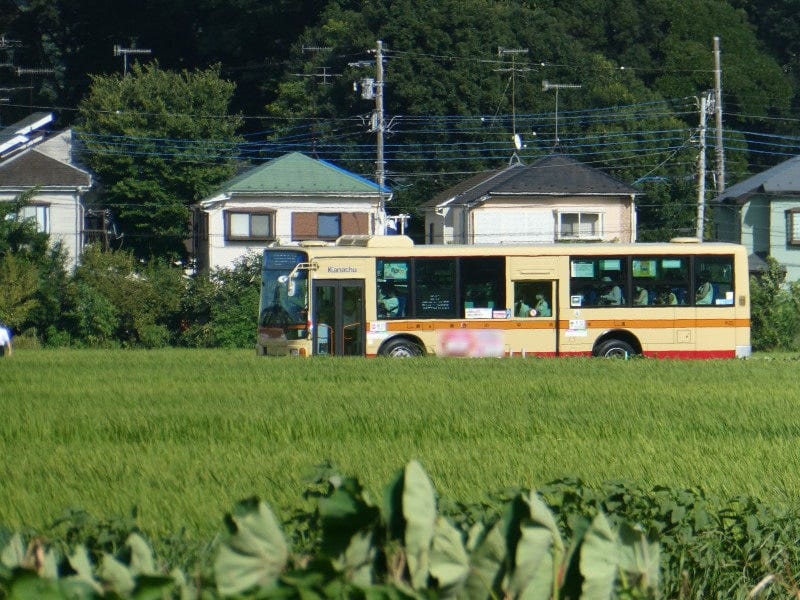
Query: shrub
(774, 309)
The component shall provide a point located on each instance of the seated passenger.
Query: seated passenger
(542, 308)
(613, 295)
(388, 303)
(642, 297)
(705, 292)
(522, 308)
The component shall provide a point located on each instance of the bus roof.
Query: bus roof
(399, 245)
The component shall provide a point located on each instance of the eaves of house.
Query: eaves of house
(296, 175)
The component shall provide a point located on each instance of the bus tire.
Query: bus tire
(401, 348)
(615, 349)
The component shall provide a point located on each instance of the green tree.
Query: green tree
(774, 309)
(220, 308)
(141, 300)
(159, 141)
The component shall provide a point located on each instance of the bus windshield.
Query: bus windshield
(284, 290)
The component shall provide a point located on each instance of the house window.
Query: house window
(329, 225)
(793, 226)
(39, 214)
(579, 225)
(248, 225)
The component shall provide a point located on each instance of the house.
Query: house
(286, 200)
(556, 198)
(763, 213)
(31, 161)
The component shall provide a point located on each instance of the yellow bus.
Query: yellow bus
(385, 296)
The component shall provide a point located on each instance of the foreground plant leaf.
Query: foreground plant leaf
(255, 554)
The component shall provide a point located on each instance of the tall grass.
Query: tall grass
(183, 435)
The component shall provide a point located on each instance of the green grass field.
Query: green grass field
(184, 434)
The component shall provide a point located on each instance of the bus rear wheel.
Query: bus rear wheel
(401, 349)
(615, 349)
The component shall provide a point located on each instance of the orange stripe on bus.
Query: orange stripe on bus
(508, 325)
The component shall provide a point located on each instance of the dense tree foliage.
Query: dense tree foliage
(158, 141)
(461, 77)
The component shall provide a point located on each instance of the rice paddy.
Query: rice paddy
(184, 434)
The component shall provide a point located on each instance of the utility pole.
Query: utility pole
(380, 167)
(720, 154)
(373, 89)
(124, 52)
(701, 165)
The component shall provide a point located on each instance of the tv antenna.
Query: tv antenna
(124, 52)
(501, 51)
(546, 85)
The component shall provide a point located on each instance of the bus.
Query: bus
(386, 296)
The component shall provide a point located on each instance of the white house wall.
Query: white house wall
(519, 226)
(224, 254)
(64, 221)
(534, 220)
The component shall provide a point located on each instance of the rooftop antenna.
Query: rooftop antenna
(124, 52)
(501, 51)
(546, 85)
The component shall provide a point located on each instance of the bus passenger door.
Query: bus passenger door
(338, 317)
(535, 318)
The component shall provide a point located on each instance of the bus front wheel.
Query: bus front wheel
(401, 349)
(615, 349)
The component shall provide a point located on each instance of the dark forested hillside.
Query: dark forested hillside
(461, 77)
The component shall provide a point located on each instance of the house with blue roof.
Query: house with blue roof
(287, 200)
(762, 212)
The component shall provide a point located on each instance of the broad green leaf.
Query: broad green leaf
(449, 560)
(343, 515)
(486, 564)
(142, 562)
(80, 563)
(149, 587)
(14, 552)
(539, 553)
(599, 560)
(532, 575)
(49, 566)
(638, 556)
(358, 558)
(543, 516)
(27, 585)
(419, 512)
(116, 575)
(255, 554)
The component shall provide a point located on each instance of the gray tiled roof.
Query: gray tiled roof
(32, 168)
(782, 178)
(554, 175)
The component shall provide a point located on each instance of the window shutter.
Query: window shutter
(355, 223)
(304, 226)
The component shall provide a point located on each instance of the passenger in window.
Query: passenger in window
(705, 292)
(542, 308)
(641, 297)
(522, 308)
(667, 296)
(613, 294)
(388, 302)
